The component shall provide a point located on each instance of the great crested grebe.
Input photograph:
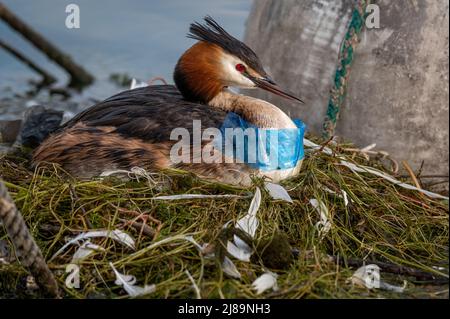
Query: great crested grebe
(133, 128)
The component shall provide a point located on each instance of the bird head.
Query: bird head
(218, 60)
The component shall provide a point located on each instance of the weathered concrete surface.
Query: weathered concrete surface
(298, 42)
(398, 90)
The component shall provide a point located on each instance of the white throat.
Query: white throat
(257, 111)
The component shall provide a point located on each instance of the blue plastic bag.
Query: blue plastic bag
(260, 148)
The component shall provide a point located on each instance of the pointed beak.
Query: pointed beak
(268, 84)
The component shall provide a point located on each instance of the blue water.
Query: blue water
(141, 38)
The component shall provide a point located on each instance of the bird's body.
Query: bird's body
(134, 127)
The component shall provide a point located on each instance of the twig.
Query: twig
(157, 78)
(365, 152)
(79, 77)
(411, 173)
(84, 217)
(419, 172)
(140, 227)
(414, 200)
(326, 144)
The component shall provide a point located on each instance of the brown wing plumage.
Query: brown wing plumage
(149, 113)
(131, 129)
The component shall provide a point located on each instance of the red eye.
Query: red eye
(240, 67)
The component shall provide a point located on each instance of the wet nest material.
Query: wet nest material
(380, 223)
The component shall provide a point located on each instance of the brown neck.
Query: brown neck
(196, 76)
(196, 73)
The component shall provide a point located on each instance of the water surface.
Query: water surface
(141, 38)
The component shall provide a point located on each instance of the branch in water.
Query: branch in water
(47, 78)
(79, 77)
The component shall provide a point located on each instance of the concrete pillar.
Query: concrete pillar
(398, 90)
(298, 43)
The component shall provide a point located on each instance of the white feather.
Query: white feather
(194, 196)
(278, 192)
(114, 172)
(128, 281)
(345, 197)
(241, 253)
(265, 281)
(249, 223)
(194, 242)
(137, 84)
(364, 169)
(230, 269)
(116, 235)
(85, 250)
(324, 225)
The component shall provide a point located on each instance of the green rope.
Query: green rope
(341, 77)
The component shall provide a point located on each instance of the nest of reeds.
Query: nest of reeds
(404, 231)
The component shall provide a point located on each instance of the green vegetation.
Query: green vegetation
(381, 223)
